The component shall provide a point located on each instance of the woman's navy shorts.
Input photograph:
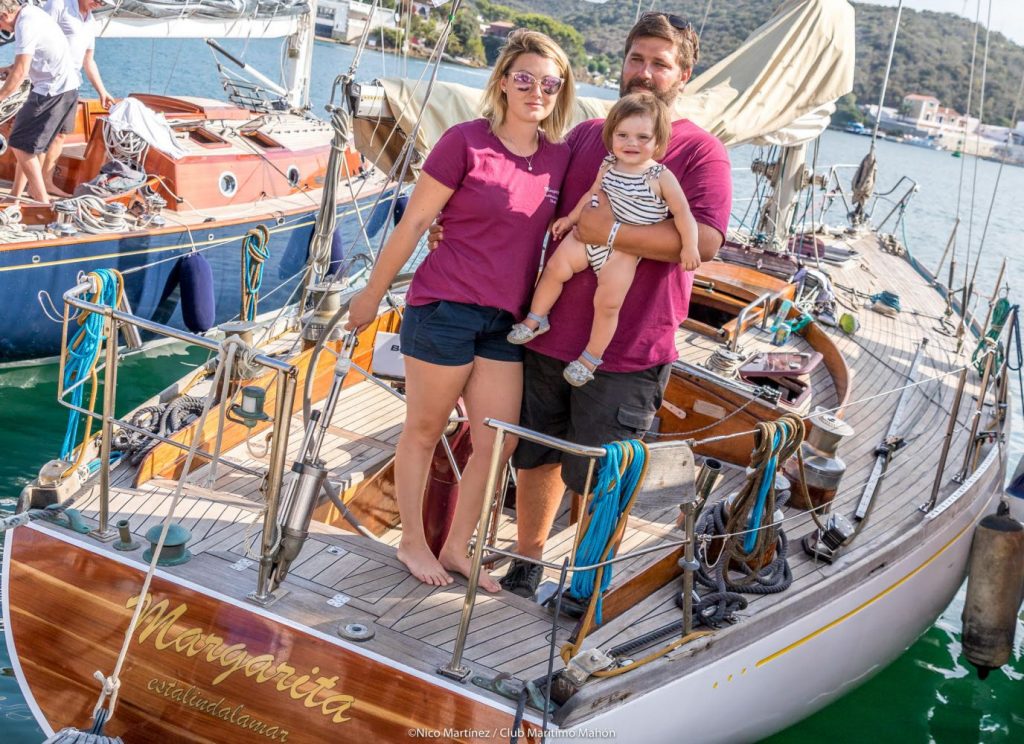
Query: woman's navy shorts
(453, 333)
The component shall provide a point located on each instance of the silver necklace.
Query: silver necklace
(516, 151)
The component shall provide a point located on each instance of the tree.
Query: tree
(391, 38)
(465, 37)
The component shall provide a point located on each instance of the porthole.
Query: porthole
(292, 174)
(227, 183)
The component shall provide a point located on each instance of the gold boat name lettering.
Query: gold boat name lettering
(158, 622)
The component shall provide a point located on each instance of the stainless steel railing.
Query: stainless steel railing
(285, 376)
(455, 669)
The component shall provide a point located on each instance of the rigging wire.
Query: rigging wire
(968, 284)
(967, 116)
(885, 80)
(995, 187)
(704, 20)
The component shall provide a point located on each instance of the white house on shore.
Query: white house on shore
(345, 20)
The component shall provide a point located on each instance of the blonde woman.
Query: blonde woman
(495, 181)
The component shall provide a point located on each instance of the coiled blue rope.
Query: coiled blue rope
(616, 483)
(84, 350)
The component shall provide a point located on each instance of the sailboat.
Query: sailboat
(221, 172)
(237, 580)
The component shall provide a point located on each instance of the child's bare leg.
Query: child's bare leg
(569, 259)
(613, 282)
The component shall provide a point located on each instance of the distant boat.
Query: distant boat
(855, 127)
(254, 163)
(926, 142)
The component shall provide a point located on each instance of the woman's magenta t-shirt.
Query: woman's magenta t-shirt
(658, 299)
(494, 223)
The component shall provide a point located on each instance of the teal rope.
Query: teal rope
(612, 494)
(767, 480)
(82, 354)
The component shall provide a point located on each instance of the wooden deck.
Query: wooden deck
(340, 576)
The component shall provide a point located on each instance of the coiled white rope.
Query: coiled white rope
(93, 215)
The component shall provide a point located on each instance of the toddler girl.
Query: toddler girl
(641, 192)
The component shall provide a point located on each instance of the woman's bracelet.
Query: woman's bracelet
(612, 233)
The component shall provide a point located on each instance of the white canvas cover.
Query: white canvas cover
(777, 88)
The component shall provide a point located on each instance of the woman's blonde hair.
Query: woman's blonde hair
(524, 41)
(640, 104)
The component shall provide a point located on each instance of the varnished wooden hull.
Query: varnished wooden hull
(203, 668)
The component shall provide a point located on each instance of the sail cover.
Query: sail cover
(778, 87)
(201, 18)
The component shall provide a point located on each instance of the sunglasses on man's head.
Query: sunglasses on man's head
(524, 81)
(673, 20)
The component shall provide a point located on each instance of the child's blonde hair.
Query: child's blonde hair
(640, 104)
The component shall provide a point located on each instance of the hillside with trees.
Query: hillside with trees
(933, 53)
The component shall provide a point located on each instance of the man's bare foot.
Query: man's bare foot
(424, 566)
(460, 564)
(54, 191)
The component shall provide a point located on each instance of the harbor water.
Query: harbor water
(929, 694)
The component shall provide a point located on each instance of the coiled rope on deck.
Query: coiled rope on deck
(93, 215)
(255, 252)
(83, 357)
(745, 562)
(618, 483)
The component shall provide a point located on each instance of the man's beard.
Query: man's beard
(668, 97)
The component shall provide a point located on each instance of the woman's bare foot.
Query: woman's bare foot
(56, 192)
(423, 565)
(460, 564)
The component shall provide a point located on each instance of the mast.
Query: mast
(788, 175)
(864, 181)
(298, 64)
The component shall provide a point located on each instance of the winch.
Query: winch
(326, 301)
(823, 468)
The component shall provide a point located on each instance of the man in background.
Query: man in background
(42, 54)
(76, 20)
